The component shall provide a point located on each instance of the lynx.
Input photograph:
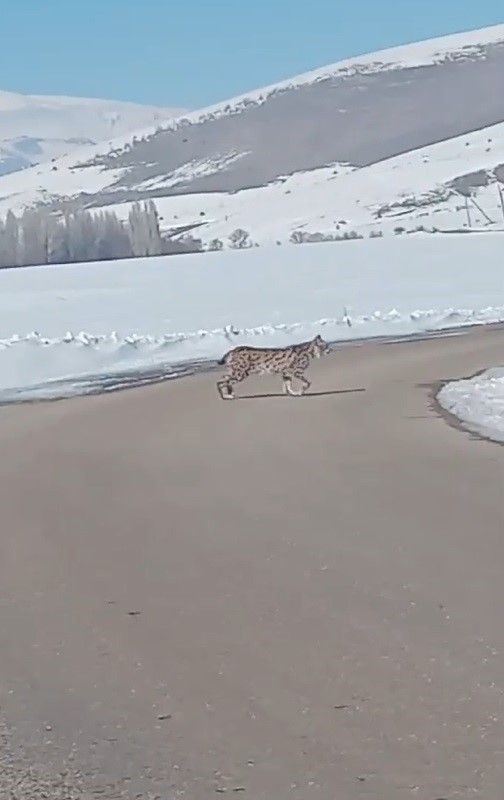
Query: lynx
(289, 362)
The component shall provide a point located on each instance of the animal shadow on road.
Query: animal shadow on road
(301, 396)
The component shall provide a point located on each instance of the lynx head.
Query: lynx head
(318, 347)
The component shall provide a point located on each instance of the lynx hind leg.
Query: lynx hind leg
(225, 388)
(228, 381)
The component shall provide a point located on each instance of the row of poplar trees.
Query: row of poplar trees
(41, 237)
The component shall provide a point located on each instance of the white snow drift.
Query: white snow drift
(64, 329)
(478, 403)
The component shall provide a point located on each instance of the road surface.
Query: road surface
(272, 598)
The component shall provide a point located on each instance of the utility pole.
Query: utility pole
(468, 212)
(499, 187)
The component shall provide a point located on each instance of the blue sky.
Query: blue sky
(195, 52)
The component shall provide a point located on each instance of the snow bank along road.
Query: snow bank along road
(285, 597)
(64, 329)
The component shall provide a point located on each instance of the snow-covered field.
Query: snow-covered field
(61, 327)
(478, 402)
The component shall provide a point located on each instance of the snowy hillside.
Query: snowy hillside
(421, 191)
(73, 329)
(362, 147)
(360, 111)
(35, 129)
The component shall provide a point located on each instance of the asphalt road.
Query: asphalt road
(271, 598)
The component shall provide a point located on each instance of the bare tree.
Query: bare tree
(35, 226)
(144, 230)
(9, 256)
(240, 239)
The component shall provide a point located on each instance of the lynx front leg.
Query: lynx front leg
(305, 383)
(287, 385)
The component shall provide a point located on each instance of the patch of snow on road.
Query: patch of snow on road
(478, 403)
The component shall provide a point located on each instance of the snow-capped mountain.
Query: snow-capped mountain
(375, 144)
(34, 129)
